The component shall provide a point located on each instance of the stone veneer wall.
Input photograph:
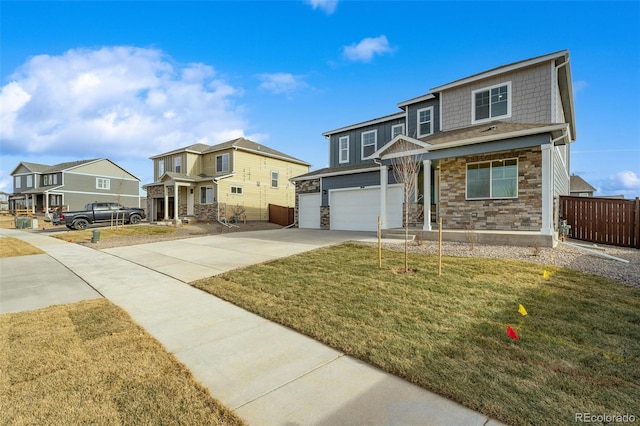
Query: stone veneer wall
(305, 187)
(515, 214)
(416, 215)
(202, 212)
(325, 218)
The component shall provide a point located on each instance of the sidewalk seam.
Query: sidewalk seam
(341, 355)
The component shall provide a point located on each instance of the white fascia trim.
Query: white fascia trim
(366, 123)
(336, 173)
(422, 98)
(500, 70)
(174, 152)
(266, 154)
(359, 188)
(393, 141)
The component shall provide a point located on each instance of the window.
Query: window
(222, 163)
(29, 181)
(343, 143)
(206, 195)
(493, 179)
(46, 180)
(102, 183)
(237, 190)
(178, 164)
(17, 182)
(492, 102)
(56, 200)
(397, 129)
(369, 143)
(274, 179)
(53, 180)
(160, 168)
(425, 121)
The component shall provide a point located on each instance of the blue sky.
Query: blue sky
(128, 80)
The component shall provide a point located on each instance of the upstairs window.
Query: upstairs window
(29, 181)
(102, 183)
(222, 163)
(178, 164)
(397, 129)
(274, 179)
(343, 143)
(369, 143)
(160, 168)
(46, 180)
(18, 182)
(492, 102)
(425, 121)
(53, 179)
(492, 179)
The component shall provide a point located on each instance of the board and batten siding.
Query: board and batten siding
(355, 150)
(531, 95)
(412, 114)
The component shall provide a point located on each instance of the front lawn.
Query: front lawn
(579, 345)
(88, 363)
(84, 236)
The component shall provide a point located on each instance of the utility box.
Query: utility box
(23, 222)
(95, 235)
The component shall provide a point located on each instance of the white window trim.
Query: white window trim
(362, 145)
(342, 160)
(397, 125)
(228, 159)
(18, 182)
(30, 181)
(431, 122)
(160, 167)
(106, 184)
(277, 179)
(490, 118)
(236, 188)
(46, 180)
(205, 194)
(177, 162)
(491, 197)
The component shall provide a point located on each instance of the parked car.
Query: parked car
(100, 213)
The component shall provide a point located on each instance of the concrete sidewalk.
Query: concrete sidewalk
(268, 374)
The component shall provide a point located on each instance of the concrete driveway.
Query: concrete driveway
(192, 259)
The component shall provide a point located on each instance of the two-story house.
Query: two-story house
(213, 182)
(72, 185)
(493, 151)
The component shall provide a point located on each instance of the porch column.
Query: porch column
(384, 180)
(547, 190)
(426, 199)
(166, 203)
(46, 205)
(175, 201)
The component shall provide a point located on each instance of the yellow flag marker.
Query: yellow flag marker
(545, 275)
(522, 310)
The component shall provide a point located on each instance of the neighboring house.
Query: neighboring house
(212, 181)
(580, 188)
(72, 185)
(493, 151)
(4, 202)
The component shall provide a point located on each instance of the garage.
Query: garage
(357, 209)
(309, 210)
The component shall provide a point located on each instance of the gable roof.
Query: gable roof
(240, 144)
(43, 168)
(337, 171)
(389, 117)
(577, 184)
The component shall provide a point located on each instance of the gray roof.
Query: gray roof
(327, 171)
(577, 184)
(44, 168)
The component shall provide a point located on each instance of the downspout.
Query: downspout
(228, 225)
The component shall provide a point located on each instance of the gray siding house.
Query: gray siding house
(70, 186)
(494, 155)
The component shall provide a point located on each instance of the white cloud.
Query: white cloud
(115, 100)
(625, 182)
(627, 179)
(328, 6)
(367, 48)
(281, 82)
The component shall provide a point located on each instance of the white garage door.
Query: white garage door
(358, 209)
(309, 210)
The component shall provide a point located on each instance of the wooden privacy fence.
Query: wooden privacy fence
(603, 220)
(280, 215)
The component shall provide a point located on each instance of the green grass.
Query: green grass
(10, 247)
(579, 345)
(114, 232)
(88, 363)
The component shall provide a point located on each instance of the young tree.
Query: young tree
(406, 169)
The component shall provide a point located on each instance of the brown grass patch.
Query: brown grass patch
(10, 247)
(88, 363)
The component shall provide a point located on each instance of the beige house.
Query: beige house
(234, 180)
